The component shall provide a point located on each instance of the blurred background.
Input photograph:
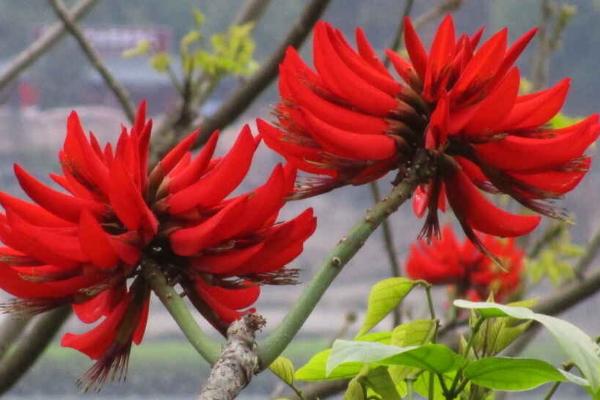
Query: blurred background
(34, 107)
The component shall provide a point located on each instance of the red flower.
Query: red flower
(84, 245)
(445, 261)
(350, 121)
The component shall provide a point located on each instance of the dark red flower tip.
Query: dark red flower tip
(447, 261)
(82, 245)
(349, 121)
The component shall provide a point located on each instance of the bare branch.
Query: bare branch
(94, 58)
(238, 362)
(252, 11)
(10, 329)
(444, 7)
(48, 39)
(30, 345)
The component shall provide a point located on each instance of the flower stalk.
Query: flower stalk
(206, 346)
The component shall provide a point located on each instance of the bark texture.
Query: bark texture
(238, 361)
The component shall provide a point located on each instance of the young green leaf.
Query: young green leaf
(576, 344)
(142, 48)
(512, 374)
(160, 62)
(284, 369)
(385, 295)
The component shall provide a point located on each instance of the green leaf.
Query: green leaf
(513, 374)
(160, 62)
(421, 386)
(198, 17)
(378, 379)
(142, 48)
(188, 39)
(355, 391)
(432, 357)
(315, 369)
(385, 295)
(381, 337)
(576, 344)
(413, 333)
(284, 369)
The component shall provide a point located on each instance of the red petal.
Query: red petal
(341, 79)
(95, 243)
(282, 246)
(59, 204)
(473, 209)
(495, 107)
(415, 48)
(100, 305)
(221, 181)
(342, 117)
(355, 146)
(189, 241)
(32, 213)
(196, 168)
(515, 153)
(535, 110)
(98, 340)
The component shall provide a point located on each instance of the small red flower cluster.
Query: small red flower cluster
(83, 247)
(472, 275)
(351, 122)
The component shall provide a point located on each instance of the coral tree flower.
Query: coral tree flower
(445, 261)
(85, 245)
(350, 121)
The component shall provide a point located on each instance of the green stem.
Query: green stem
(347, 247)
(208, 348)
(456, 381)
(409, 389)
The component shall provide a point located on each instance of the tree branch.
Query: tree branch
(48, 39)
(584, 262)
(10, 329)
(251, 11)
(30, 346)
(204, 344)
(238, 362)
(445, 6)
(94, 58)
(346, 248)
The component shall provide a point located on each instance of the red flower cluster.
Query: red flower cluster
(85, 245)
(445, 261)
(351, 121)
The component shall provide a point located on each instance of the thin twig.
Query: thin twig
(445, 6)
(42, 44)
(196, 90)
(30, 345)
(237, 363)
(341, 254)
(239, 101)
(94, 58)
(584, 262)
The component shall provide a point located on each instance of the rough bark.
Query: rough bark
(238, 362)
